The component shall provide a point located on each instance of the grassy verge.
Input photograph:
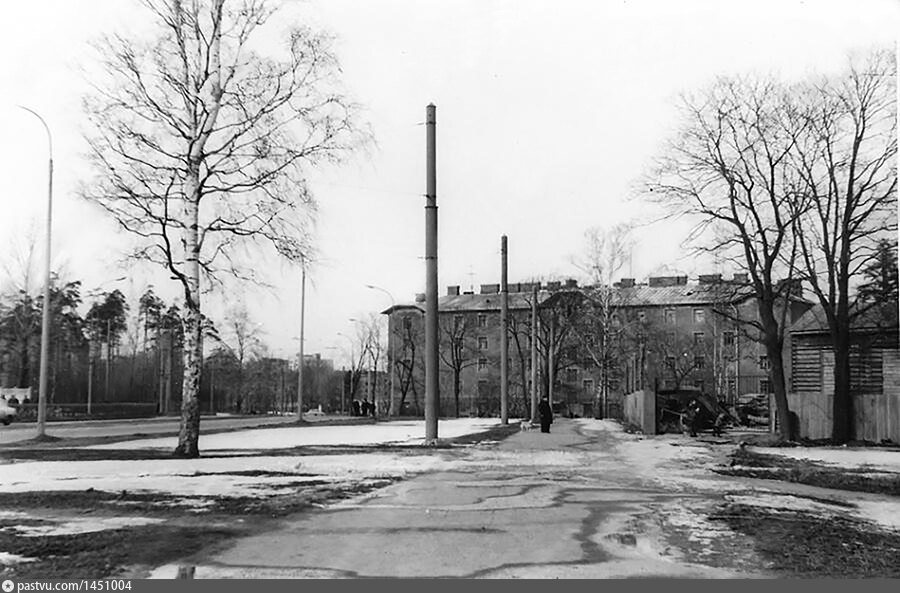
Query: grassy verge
(798, 544)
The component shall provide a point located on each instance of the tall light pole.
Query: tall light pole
(349, 339)
(45, 318)
(390, 349)
(300, 361)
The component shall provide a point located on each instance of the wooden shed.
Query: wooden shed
(874, 377)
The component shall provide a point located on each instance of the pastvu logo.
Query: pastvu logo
(8, 586)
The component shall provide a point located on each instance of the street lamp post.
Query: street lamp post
(390, 350)
(300, 361)
(350, 389)
(45, 318)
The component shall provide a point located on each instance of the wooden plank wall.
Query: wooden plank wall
(877, 415)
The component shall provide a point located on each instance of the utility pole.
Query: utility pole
(108, 356)
(550, 361)
(504, 335)
(432, 393)
(300, 361)
(90, 376)
(534, 357)
(343, 387)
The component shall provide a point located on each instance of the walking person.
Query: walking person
(546, 414)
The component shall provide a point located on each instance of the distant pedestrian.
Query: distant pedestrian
(546, 413)
(692, 417)
(719, 424)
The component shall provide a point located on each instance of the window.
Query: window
(728, 338)
(670, 339)
(670, 362)
(641, 316)
(699, 362)
(699, 316)
(482, 343)
(731, 386)
(764, 386)
(482, 364)
(670, 316)
(407, 323)
(700, 384)
(698, 338)
(482, 320)
(764, 364)
(588, 385)
(457, 322)
(571, 375)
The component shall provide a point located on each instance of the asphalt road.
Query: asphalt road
(21, 431)
(570, 504)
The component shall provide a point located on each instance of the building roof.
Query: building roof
(476, 302)
(815, 321)
(642, 295)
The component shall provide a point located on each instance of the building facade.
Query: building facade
(665, 334)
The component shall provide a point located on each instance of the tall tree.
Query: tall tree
(200, 146)
(602, 325)
(107, 319)
(457, 349)
(729, 170)
(848, 174)
(879, 288)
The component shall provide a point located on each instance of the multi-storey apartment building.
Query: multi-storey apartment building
(469, 353)
(667, 331)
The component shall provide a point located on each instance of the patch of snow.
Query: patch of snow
(86, 525)
(211, 476)
(402, 432)
(885, 513)
(784, 502)
(7, 559)
(847, 457)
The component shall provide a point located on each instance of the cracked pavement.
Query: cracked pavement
(575, 503)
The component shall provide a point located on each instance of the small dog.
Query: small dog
(524, 425)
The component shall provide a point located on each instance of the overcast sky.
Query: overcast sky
(547, 113)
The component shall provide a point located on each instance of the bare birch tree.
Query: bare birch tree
(601, 327)
(201, 145)
(847, 173)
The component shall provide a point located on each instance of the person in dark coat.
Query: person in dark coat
(546, 414)
(692, 416)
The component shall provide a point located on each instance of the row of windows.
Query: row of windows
(699, 316)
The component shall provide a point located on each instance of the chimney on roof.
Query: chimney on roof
(420, 297)
(571, 283)
(658, 281)
(490, 288)
(553, 285)
(710, 278)
(739, 277)
(453, 291)
(625, 283)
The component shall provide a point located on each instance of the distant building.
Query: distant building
(671, 334)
